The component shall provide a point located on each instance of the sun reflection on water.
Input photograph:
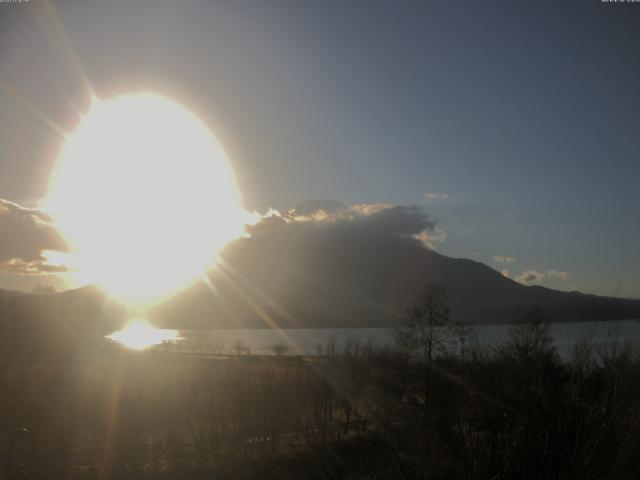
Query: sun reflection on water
(139, 334)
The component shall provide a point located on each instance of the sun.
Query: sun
(145, 196)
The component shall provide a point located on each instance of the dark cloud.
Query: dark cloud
(374, 219)
(267, 223)
(35, 267)
(400, 221)
(24, 234)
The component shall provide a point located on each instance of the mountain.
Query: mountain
(7, 295)
(298, 275)
(48, 326)
(321, 264)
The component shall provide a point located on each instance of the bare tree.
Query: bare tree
(426, 325)
(241, 347)
(460, 333)
(531, 337)
(280, 349)
(425, 331)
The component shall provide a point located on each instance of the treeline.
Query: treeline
(513, 412)
(423, 410)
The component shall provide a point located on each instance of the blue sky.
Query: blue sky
(523, 116)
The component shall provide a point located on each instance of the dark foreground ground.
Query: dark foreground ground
(100, 412)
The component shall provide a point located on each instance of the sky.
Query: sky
(514, 125)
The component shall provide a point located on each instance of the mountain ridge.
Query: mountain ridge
(311, 283)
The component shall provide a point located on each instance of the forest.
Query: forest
(435, 405)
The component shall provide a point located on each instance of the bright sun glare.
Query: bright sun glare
(145, 195)
(139, 334)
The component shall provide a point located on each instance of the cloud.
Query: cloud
(503, 259)
(399, 220)
(311, 206)
(533, 276)
(436, 196)
(25, 234)
(330, 212)
(428, 238)
(376, 219)
(557, 274)
(35, 267)
(273, 219)
(530, 276)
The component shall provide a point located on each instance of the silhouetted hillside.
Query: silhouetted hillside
(6, 295)
(323, 264)
(46, 325)
(296, 274)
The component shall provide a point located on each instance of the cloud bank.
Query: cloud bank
(25, 234)
(408, 222)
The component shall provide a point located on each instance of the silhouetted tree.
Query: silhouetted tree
(280, 349)
(41, 289)
(426, 325)
(241, 348)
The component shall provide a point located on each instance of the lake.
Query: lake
(317, 341)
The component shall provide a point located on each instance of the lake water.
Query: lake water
(314, 341)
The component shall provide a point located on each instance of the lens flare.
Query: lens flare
(145, 196)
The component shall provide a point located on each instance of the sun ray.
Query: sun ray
(114, 408)
(266, 298)
(48, 122)
(216, 292)
(62, 40)
(262, 314)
